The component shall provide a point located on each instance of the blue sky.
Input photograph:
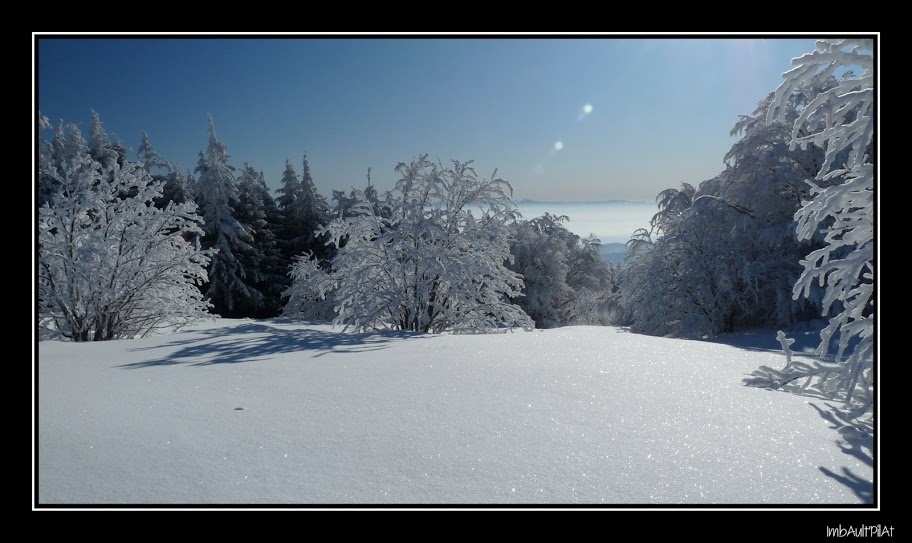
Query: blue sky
(660, 110)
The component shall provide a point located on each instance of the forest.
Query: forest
(783, 235)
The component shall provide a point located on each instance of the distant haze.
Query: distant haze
(611, 222)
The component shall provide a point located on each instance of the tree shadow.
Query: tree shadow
(857, 441)
(256, 341)
(806, 342)
(862, 488)
(857, 433)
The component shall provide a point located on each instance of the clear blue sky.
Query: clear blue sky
(660, 109)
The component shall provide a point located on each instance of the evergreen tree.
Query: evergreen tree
(102, 149)
(47, 181)
(230, 288)
(290, 191)
(306, 213)
(257, 212)
(175, 185)
(152, 161)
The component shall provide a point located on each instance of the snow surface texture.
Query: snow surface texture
(240, 411)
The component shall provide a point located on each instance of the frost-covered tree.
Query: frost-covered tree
(840, 208)
(257, 212)
(594, 281)
(310, 294)
(111, 266)
(101, 148)
(152, 161)
(673, 204)
(764, 172)
(175, 187)
(344, 203)
(312, 203)
(231, 282)
(437, 263)
(290, 189)
(565, 279)
(688, 283)
(47, 182)
(66, 146)
(306, 213)
(725, 255)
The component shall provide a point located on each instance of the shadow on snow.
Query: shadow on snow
(248, 342)
(857, 441)
(806, 342)
(857, 433)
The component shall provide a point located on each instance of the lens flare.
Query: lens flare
(558, 145)
(584, 112)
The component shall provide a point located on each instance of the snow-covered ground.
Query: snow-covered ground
(239, 411)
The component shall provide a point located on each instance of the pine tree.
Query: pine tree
(177, 188)
(47, 182)
(290, 191)
(312, 208)
(175, 185)
(306, 213)
(152, 161)
(230, 286)
(256, 210)
(102, 149)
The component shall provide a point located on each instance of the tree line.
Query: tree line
(444, 250)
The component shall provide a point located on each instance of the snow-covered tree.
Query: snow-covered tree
(687, 283)
(840, 207)
(306, 213)
(673, 204)
(290, 191)
(438, 263)
(152, 161)
(177, 188)
(344, 203)
(111, 266)
(175, 184)
(257, 212)
(230, 286)
(101, 148)
(725, 255)
(764, 172)
(66, 146)
(312, 202)
(309, 294)
(47, 182)
(565, 280)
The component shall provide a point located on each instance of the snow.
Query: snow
(277, 411)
